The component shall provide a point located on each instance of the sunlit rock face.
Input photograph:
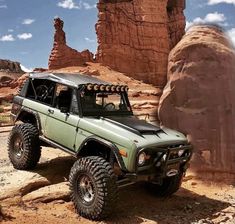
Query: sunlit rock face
(199, 98)
(135, 36)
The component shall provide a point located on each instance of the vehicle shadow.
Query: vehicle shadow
(137, 205)
(56, 170)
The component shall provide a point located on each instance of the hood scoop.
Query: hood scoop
(133, 124)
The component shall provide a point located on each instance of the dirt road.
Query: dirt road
(42, 196)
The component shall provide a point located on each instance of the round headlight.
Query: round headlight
(142, 158)
(126, 88)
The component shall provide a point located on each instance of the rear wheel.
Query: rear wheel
(23, 146)
(93, 187)
(169, 186)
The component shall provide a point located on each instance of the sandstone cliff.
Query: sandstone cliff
(62, 55)
(199, 98)
(135, 36)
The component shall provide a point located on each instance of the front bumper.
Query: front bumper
(164, 162)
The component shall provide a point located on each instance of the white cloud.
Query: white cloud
(10, 30)
(28, 21)
(210, 18)
(188, 24)
(69, 4)
(7, 38)
(24, 36)
(87, 6)
(26, 69)
(231, 34)
(89, 40)
(214, 2)
(3, 6)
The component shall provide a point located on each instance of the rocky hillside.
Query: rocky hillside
(10, 66)
(10, 72)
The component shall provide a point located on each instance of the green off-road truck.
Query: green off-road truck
(93, 121)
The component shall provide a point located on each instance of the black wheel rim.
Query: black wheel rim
(86, 189)
(18, 147)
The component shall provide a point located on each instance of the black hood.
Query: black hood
(132, 123)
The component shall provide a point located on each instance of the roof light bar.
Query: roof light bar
(108, 88)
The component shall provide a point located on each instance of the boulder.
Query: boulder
(199, 98)
(49, 193)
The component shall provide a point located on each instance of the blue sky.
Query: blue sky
(26, 30)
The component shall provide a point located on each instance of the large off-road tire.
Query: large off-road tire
(93, 187)
(169, 186)
(24, 147)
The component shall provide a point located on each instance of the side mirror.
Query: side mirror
(64, 110)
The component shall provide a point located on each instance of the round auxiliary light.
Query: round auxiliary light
(180, 152)
(96, 87)
(113, 88)
(164, 157)
(107, 88)
(122, 88)
(141, 158)
(126, 88)
(102, 87)
(89, 87)
(118, 88)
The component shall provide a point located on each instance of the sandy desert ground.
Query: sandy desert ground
(42, 196)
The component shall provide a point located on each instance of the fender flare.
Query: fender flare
(29, 111)
(108, 144)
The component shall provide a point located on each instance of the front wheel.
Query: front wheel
(169, 186)
(93, 187)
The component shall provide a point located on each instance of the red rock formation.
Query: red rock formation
(62, 55)
(40, 70)
(135, 36)
(10, 66)
(87, 55)
(199, 98)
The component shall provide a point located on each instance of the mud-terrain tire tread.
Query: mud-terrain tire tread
(32, 150)
(105, 181)
(169, 186)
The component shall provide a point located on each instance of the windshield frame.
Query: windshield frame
(104, 113)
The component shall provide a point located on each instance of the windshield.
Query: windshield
(105, 103)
